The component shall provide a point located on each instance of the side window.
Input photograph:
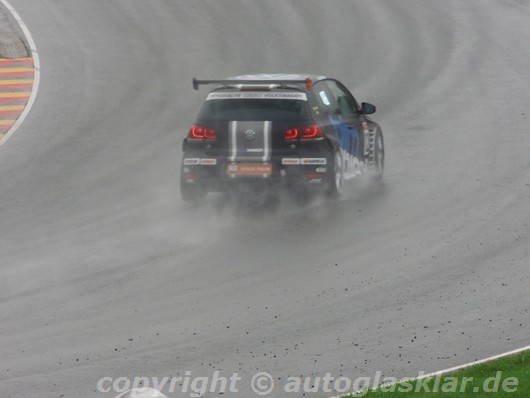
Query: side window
(346, 104)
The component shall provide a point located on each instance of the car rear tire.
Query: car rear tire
(336, 183)
(377, 155)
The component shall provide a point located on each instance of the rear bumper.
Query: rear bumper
(288, 172)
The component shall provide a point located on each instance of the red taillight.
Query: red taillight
(291, 134)
(303, 133)
(312, 132)
(200, 132)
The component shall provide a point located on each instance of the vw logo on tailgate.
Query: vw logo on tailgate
(250, 134)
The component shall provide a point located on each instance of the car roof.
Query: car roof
(273, 80)
(279, 76)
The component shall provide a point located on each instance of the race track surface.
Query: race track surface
(105, 272)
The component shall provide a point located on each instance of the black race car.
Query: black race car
(295, 131)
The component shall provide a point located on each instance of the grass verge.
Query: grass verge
(507, 377)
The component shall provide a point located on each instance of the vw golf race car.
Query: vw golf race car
(292, 131)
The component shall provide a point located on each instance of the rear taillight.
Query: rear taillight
(313, 132)
(291, 134)
(200, 133)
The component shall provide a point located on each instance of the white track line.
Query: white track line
(453, 369)
(36, 75)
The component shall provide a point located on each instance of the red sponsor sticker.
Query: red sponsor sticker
(249, 169)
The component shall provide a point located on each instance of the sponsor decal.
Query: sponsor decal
(310, 161)
(324, 98)
(352, 165)
(257, 95)
(197, 161)
(321, 169)
(249, 169)
(290, 161)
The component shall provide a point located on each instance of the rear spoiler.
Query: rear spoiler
(196, 82)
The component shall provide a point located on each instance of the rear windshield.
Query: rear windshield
(255, 106)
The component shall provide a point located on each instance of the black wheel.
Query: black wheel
(336, 183)
(377, 155)
(192, 193)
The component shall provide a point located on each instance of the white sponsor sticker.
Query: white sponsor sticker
(208, 162)
(324, 98)
(290, 161)
(192, 161)
(257, 95)
(318, 161)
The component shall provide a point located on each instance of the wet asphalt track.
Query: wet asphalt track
(104, 272)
